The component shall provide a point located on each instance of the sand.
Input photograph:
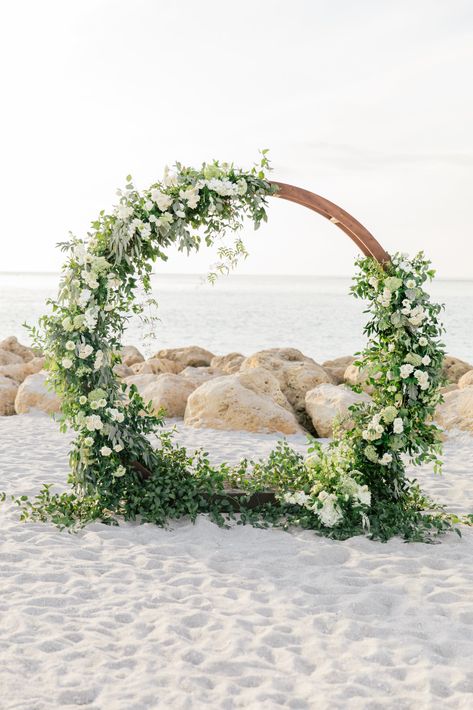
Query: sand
(197, 616)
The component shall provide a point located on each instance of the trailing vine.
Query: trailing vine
(357, 484)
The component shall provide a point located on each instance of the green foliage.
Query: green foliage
(355, 485)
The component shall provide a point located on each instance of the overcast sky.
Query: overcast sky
(368, 103)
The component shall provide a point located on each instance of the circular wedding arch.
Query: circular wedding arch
(363, 239)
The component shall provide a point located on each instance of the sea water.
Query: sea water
(315, 314)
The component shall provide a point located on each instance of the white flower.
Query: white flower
(118, 448)
(180, 213)
(406, 370)
(82, 399)
(85, 350)
(385, 297)
(84, 297)
(119, 472)
(329, 514)
(398, 425)
(91, 316)
(224, 188)
(242, 186)
(391, 347)
(410, 283)
(417, 315)
(67, 324)
(426, 360)
(297, 498)
(191, 196)
(105, 451)
(115, 414)
(423, 341)
(385, 459)
(422, 378)
(163, 201)
(170, 178)
(148, 205)
(113, 282)
(70, 345)
(363, 494)
(373, 281)
(88, 441)
(124, 211)
(66, 363)
(98, 360)
(93, 422)
(79, 321)
(145, 231)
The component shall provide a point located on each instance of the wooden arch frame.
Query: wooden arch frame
(363, 239)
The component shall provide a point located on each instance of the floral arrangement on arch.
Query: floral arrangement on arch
(356, 484)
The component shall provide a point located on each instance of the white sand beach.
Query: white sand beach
(139, 617)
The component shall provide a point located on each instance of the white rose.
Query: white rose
(66, 363)
(426, 360)
(124, 211)
(423, 341)
(118, 448)
(119, 472)
(105, 451)
(163, 201)
(410, 283)
(406, 370)
(88, 441)
(70, 345)
(82, 399)
(85, 351)
(385, 459)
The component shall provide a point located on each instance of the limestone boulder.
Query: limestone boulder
(327, 403)
(168, 391)
(8, 390)
(296, 373)
(466, 380)
(199, 375)
(456, 411)
(155, 366)
(123, 371)
(355, 375)
(131, 355)
(263, 382)
(20, 371)
(337, 367)
(228, 363)
(454, 368)
(226, 403)
(33, 393)
(9, 358)
(12, 345)
(191, 356)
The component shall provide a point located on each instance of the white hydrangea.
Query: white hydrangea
(115, 414)
(124, 211)
(422, 378)
(330, 513)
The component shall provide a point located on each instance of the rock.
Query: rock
(169, 392)
(33, 394)
(456, 411)
(156, 366)
(448, 388)
(262, 381)
(226, 403)
(358, 376)
(20, 371)
(327, 402)
(122, 370)
(8, 390)
(199, 375)
(337, 368)
(466, 380)
(192, 356)
(228, 363)
(453, 368)
(140, 381)
(12, 345)
(296, 373)
(131, 355)
(9, 358)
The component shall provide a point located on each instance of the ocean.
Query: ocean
(315, 314)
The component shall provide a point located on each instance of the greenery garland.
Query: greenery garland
(355, 485)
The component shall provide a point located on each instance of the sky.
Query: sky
(367, 103)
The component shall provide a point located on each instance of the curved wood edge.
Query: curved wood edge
(363, 239)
